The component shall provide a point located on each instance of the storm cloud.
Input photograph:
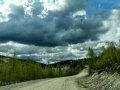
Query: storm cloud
(56, 28)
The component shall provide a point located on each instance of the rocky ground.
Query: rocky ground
(101, 81)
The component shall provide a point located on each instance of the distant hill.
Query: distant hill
(6, 59)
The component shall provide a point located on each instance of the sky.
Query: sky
(56, 30)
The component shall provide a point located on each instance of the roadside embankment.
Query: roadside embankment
(101, 81)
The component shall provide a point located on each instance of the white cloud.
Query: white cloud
(99, 45)
(118, 32)
(79, 13)
(4, 11)
(53, 4)
(45, 54)
(27, 4)
(5, 7)
(113, 23)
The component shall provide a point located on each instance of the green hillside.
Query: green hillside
(14, 70)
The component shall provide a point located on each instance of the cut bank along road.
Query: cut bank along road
(63, 83)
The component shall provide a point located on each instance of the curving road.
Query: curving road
(63, 83)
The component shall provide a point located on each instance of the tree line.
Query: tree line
(108, 59)
(15, 70)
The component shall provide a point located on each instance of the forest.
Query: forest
(14, 70)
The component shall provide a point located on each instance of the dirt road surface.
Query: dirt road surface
(63, 83)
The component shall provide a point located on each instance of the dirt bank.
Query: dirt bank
(102, 81)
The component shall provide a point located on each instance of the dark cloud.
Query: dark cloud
(17, 12)
(116, 7)
(73, 5)
(63, 23)
(19, 50)
(37, 8)
(58, 28)
(55, 50)
(1, 15)
(26, 50)
(88, 29)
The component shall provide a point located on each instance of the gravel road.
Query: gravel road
(63, 83)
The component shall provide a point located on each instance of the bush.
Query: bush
(107, 58)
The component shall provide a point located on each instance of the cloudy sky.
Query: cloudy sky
(55, 30)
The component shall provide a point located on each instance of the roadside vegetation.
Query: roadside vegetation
(107, 60)
(14, 70)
